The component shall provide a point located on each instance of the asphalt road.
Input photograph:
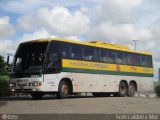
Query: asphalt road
(80, 105)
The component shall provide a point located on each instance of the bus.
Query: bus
(67, 67)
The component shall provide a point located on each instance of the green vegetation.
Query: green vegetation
(3, 78)
(157, 89)
(3, 67)
(4, 91)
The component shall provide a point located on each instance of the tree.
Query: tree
(3, 67)
(3, 78)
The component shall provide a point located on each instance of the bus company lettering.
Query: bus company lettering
(88, 65)
(133, 68)
(146, 70)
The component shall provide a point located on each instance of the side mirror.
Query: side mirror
(8, 59)
(8, 63)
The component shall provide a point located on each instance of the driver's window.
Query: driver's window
(18, 64)
(51, 59)
(53, 63)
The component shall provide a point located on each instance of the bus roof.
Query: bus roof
(92, 43)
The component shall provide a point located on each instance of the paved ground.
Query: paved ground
(80, 105)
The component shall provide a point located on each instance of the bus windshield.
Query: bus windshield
(29, 59)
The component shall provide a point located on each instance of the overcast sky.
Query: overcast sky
(117, 21)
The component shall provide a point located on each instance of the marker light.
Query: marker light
(35, 84)
(12, 85)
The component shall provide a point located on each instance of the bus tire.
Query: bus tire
(37, 96)
(63, 90)
(131, 89)
(122, 89)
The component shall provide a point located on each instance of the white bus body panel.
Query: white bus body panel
(84, 82)
(108, 83)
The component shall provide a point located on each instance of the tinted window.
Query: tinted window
(29, 57)
(61, 48)
(149, 61)
(54, 47)
(80, 52)
(76, 51)
(103, 54)
(122, 58)
(135, 60)
(143, 60)
(65, 50)
(110, 56)
(146, 61)
(90, 53)
(126, 59)
(118, 57)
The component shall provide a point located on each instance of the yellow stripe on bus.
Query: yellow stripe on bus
(105, 66)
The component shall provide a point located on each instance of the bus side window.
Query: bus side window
(54, 47)
(146, 61)
(128, 58)
(136, 60)
(76, 52)
(142, 60)
(149, 61)
(110, 57)
(65, 50)
(133, 60)
(102, 55)
(90, 53)
(124, 58)
(118, 57)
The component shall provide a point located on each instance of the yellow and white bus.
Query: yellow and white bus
(65, 67)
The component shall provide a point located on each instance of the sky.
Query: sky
(116, 21)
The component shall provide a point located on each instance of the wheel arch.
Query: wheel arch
(68, 80)
(124, 82)
(135, 83)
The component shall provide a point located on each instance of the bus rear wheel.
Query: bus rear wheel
(131, 89)
(37, 96)
(63, 90)
(122, 89)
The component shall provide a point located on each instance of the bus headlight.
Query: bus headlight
(35, 84)
(12, 90)
(12, 85)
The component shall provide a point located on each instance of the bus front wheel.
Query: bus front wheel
(63, 90)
